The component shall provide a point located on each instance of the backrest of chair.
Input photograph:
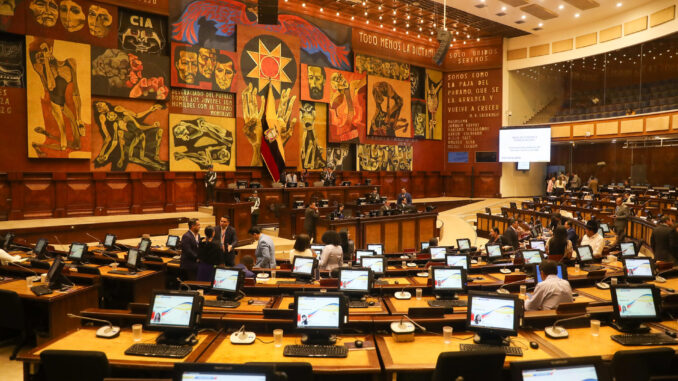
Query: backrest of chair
(295, 371)
(10, 301)
(641, 364)
(471, 366)
(64, 365)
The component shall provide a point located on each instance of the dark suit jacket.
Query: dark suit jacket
(189, 252)
(661, 242)
(230, 238)
(210, 253)
(573, 237)
(310, 218)
(511, 237)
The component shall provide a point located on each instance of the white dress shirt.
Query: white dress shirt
(549, 294)
(596, 242)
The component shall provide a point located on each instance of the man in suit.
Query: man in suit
(328, 176)
(661, 241)
(225, 234)
(265, 252)
(310, 218)
(511, 234)
(621, 218)
(189, 250)
(571, 233)
(404, 198)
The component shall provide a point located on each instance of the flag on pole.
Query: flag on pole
(272, 151)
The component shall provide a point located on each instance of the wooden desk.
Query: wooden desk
(363, 360)
(48, 312)
(379, 308)
(257, 307)
(400, 307)
(119, 290)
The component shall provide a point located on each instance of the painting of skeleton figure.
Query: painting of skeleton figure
(377, 157)
(341, 157)
(196, 142)
(434, 109)
(313, 118)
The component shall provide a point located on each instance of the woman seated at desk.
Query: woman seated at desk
(558, 247)
(301, 247)
(332, 255)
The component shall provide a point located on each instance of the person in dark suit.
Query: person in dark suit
(310, 218)
(328, 176)
(621, 218)
(511, 234)
(661, 241)
(226, 237)
(571, 233)
(189, 250)
(404, 198)
(210, 256)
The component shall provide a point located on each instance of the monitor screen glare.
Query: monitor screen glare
(303, 265)
(493, 251)
(538, 245)
(447, 279)
(77, 250)
(132, 256)
(318, 312)
(635, 302)
(579, 372)
(488, 312)
(424, 246)
(638, 267)
(172, 241)
(628, 249)
(225, 280)
(354, 280)
(377, 247)
(108, 241)
(221, 376)
(532, 256)
(457, 261)
(317, 249)
(144, 245)
(172, 310)
(585, 253)
(437, 252)
(363, 253)
(376, 264)
(464, 244)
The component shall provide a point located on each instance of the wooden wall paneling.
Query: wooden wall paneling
(170, 201)
(458, 184)
(186, 189)
(5, 197)
(371, 234)
(60, 194)
(404, 180)
(426, 230)
(391, 237)
(433, 184)
(38, 196)
(335, 196)
(80, 194)
(99, 180)
(408, 235)
(486, 184)
(417, 188)
(117, 194)
(388, 185)
(153, 192)
(17, 196)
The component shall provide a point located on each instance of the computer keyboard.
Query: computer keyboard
(222, 303)
(446, 303)
(122, 272)
(315, 351)
(159, 350)
(644, 339)
(590, 268)
(509, 351)
(41, 290)
(293, 282)
(358, 304)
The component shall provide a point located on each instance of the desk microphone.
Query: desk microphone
(107, 332)
(602, 285)
(557, 332)
(181, 283)
(402, 294)
(91, 236)
(243, 337)
(404, 327)
(502, 290)
(25, 268)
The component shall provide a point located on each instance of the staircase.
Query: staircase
(547, 112)
(204, 216)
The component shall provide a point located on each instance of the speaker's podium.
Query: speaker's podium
(239, 215)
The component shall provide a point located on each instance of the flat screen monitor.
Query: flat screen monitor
(464, 244)
(575, 368)
(77, 251)
(493, 251)
(538, 244)
(628, 249)
(109, 241)
(304, 267)
(523, 166)
(423, 245)
(601, 232)
(448, 280)
(437, 253)
(222, 372)
(228, 281)
(636, 304)
(173, 310)
(363, 253)
(320, 311)
(172, 241)
(317, 249)
(562, 272)
(376, 247)
(605, 227)
(40, 247)
(532, 256)
(584, 253)
(638, 268)
(458, 260)
(493, 315)
(9, 237)
(525, 144)
(144, 246)
(355, 280)
(54, 275)
(132, 259)
(374, 263)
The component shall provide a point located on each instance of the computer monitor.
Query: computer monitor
(538, 244)
(584, 254)
(374, 263)
(605, 227)
(562, 272)
(512, 205)
(363, 253)
(488, 211)
(493, 252)
(601, 232)
(319, 315)
(572, 368)
(172, 241)
(493, 317)
(144, 246)
(437, 252)
(317, 248)
(133, 259)
(7, 241)
(532, 256)
(634, 305)
(628, 249)
(228, 282)
(355, 282)
(222, 372)
(638, 269)
(176, 314)
(304, 268)
(40, 248)
(77, 252)
(458, 260)
(54, 276)
(109, 241)
(423, 246)
(448, 281)
(464, 244)
(376, 247)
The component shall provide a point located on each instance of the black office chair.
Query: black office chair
(641, 364)
(470, 366)
(15, 321)
(295, 371)
(59, 365)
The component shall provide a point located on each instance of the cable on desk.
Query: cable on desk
(265, 342)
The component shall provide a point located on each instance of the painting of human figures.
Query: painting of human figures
(434, 109)
(313, 117)
(196, 142)
(389, 108)
(377, 157)
(58, 99)
(129, 135)
(348, 106)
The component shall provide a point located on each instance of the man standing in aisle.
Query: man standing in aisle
(227, 240)
(265, 252)
(210, 183)
(189, 250)
(310, 218)
(621, 220)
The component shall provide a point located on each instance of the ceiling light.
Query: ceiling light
(541, 24)
(337, 13)
(478, 39)
(523, 17)
(303, 4)
(379, 17)
(321, 10)
(365, 13)
(619, 4)
(561, 6)
(394, 21)
(352, 17)
(394, 29)
(367, 22)
(379, 7)
(503, 9)
(407, 25)
(576, 15)
(394, 11)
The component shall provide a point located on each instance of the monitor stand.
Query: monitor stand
(491, 339)
(318, 339)
(177, 338)
(380, 282)
(630, 327)
(231, 297)
(447, 296)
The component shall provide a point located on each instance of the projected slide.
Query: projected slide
(635, 302)
(532, 256)
(447, 279)
(376, 264)
(225, 280)
(570, 373)
(457, 261)
(492, 313)
(638, 267)
(525, 145)
(315, 312)
(195, 376)
(354, 280)
(172, 310)
(303, 266)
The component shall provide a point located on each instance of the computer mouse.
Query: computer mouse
(534, 345)
(358, 343)
(371, 302)
(251, 301)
